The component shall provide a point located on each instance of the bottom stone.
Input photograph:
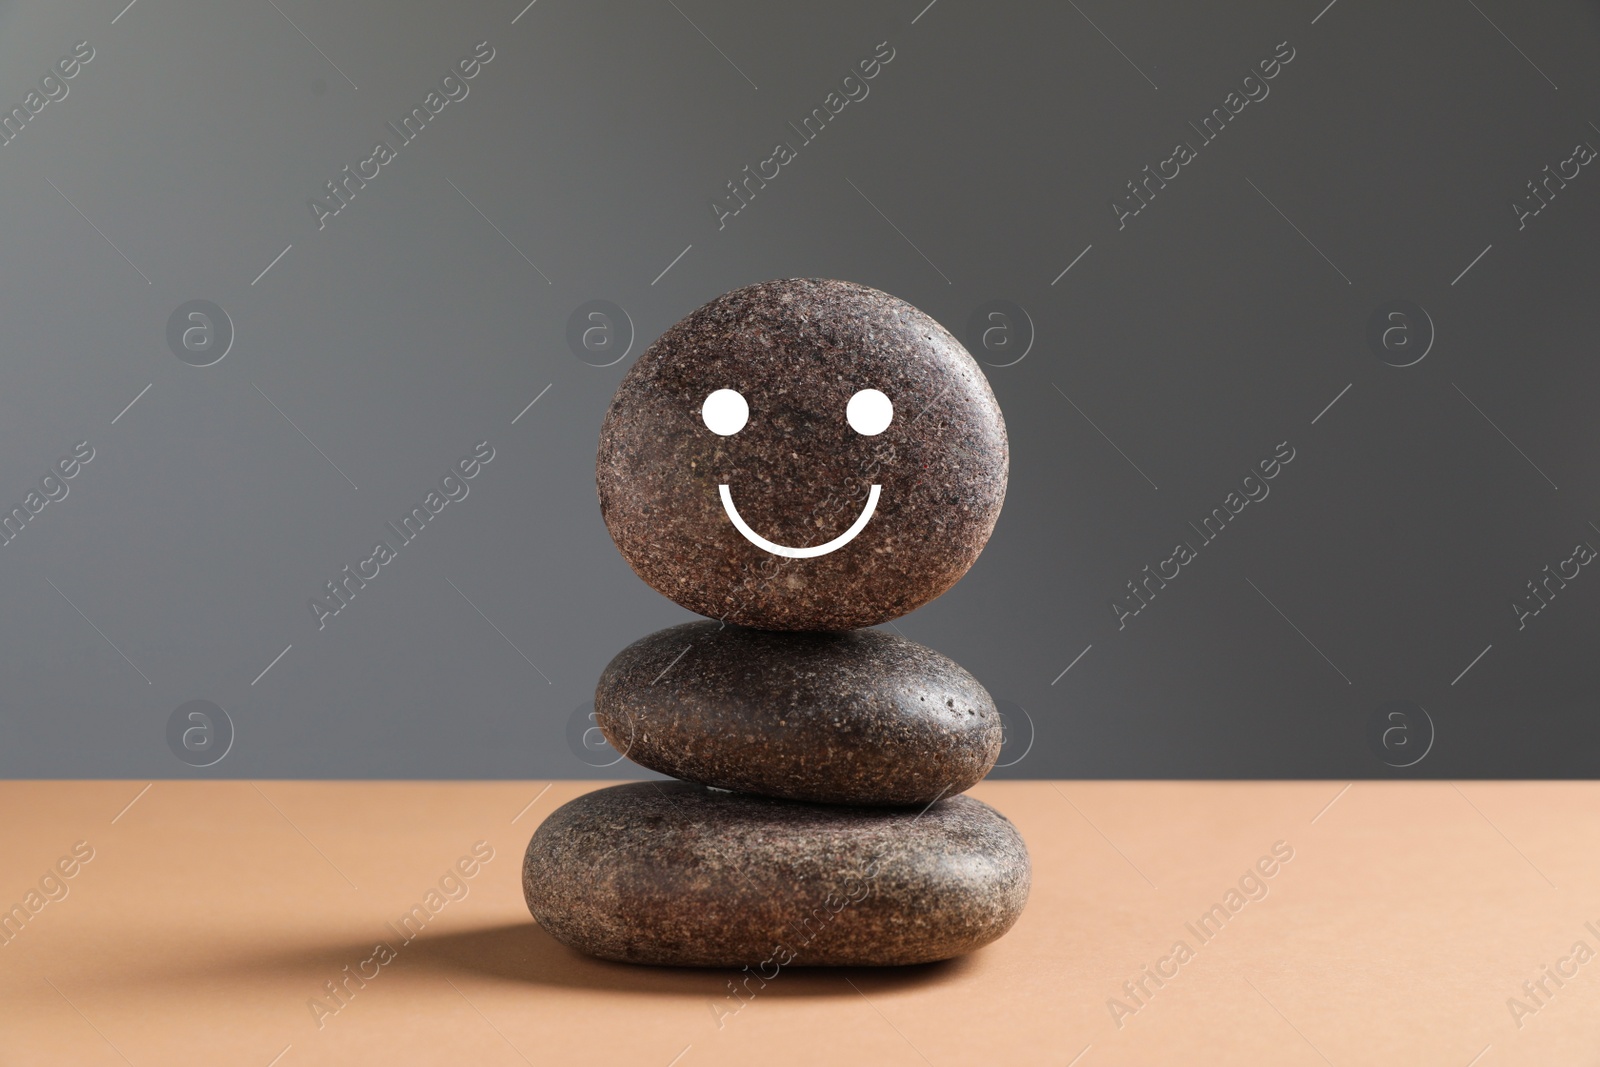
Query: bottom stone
(675, 873)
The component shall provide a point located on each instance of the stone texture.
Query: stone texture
(797, 350)
(675, 873)
(862, 717)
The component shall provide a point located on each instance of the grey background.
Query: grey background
(378, 350)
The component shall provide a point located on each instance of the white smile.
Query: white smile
(799, 553)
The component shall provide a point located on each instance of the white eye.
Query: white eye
(869, 412)
(725, 412)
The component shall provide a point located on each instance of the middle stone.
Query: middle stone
(861, 717)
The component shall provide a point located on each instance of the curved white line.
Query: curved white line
(799, 553)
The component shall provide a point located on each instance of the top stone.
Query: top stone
(803, 455)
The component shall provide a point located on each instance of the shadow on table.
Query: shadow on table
(523, 952)
(518, 953)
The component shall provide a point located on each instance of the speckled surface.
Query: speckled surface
(797, 350)
(674, 873)
(862, 717)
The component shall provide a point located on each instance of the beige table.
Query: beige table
(211, 915)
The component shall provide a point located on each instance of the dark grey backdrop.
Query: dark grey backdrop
(1180, 348)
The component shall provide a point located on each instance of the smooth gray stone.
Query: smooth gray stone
(674, 873)
(798, 472)
(862, 717)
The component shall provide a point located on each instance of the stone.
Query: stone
(803, 454)
(861, 717)
(675, 873)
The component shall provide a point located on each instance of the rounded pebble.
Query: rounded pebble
(675, 873)
(862, 717)
(803, 454)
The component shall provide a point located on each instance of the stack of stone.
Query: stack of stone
(796, 460)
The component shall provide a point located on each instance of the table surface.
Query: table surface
(1401, 930)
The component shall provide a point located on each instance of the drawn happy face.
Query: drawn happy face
(803, 455)
(869, 413)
